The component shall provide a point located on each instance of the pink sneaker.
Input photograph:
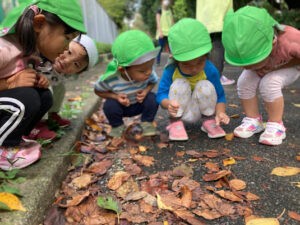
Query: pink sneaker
(59, 120)
(177, 131)
(212, 130)
(20, 156)
(40, 131)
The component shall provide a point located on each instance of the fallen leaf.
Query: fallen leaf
(229, 195)
(296, 105)
(208, 214)
(144, 160)
(117, 180)
(237, 184)
(134, 196)
(233, 105)
(127, 187)
(251, 197)
(297, 184)
(294, 215)
(229, 137)
(180, 153)
(83, 181)
(142, 148)
(235, 116)
(211, 153)
(161, 204)
(99, 168)
(162, 145)
(183, 171)
(186, 199)
(257, 158)
(212, 167)
(285, 171)
(77, 98)
(263, 221)
(107, 202)
(229, 161)
(11, 201)
(188, 216)
(216, 176)
(298, 157)
(75, 200)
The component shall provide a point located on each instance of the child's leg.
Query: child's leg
(114, 112)
(180, 91)
(271, 90)
(149, 108)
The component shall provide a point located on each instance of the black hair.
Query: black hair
(25, 32)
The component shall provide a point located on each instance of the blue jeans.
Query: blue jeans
(115, 112)
(162, 42)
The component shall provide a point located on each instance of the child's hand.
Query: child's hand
(42, 81)
(24, 78)
(173, 108)
(222, 117)
(123, 100)
(140, 96)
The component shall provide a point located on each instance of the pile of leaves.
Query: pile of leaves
(112, 183)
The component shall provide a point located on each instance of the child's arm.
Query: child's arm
(291, 63)
(121, 98)
(221, 116)
(140, 96)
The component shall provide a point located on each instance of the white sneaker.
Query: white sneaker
(225, 81)
(273, 134)
(249, 127)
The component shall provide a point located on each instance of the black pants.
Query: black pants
(20, 109)
(115, 112)
(217, 52)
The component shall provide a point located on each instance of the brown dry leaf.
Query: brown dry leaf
(99, 167)
(212, 167)
(257, 158)
(186, 199)
(180, 153)
(229, 161)
(83, 181)
(229, 137)
(233, 105)
(162, 145)
(251, 197)
(208, 214)
(129, 186)
(298, 157)
(142, 148)
(237, 184)
(145, 207)
(294, 215)
(194, 153)
(161, 204)
(74, 99)
(285, 171)
(117, 180)
(133, 150)
(133, 169)
(183, 171)
(185, 181)
(235, 116)
(216, 203)
(229, 195)
(263, 221)
(134, 196)
(188, 216)
(93, 125)
(144, 160)
(216, 176)
(75, 200)
(211, 153)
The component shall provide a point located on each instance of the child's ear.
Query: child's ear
(38, 22)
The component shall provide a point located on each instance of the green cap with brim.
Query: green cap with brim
(68, 11)
(130, 48)
(189, 39)
(248, 35)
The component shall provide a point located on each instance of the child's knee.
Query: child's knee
(180, 86)
(205, 88)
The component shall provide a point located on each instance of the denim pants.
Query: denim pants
(115, 112)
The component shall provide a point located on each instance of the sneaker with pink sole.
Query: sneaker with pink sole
(177, 131)
(274, 134)
(20, 156)
(212, 129)
(40, 131)
(249, 127)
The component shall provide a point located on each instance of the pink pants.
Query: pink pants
(270, 85)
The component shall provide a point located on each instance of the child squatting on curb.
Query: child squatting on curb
(127, 82)
(190, 85)
(270, 55)
(45, 28)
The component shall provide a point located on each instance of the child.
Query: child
(45, 28)
(81, 55)
(270, 55)
(127, 83)
(190, 84)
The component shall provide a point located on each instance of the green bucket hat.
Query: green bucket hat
(68, 11)
(130, 48)
(248, 35)
(189, 39)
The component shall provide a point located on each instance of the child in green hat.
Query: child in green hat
(270, 55)
(127, 83)
(190, 84)
(38, 27)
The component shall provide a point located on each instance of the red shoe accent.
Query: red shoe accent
(59, 120)
(40, 131)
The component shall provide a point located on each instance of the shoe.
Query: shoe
(59, 120)
(212, 130)
(249, 127)
(177, 131)
(148, 129)
(41, 132)
(273, 134)
(117, 131)
(19, 157)
(225, 81)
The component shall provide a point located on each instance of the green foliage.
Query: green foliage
(107, 202)
(7, 179)
(103, 47)
(148, 11)
(180, 9)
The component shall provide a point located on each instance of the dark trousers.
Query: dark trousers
(115, 112)
(20, 110)
(217, 52)
(163, 42)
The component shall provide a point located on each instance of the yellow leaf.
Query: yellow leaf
(285, 171)
(263, 221)
(142, 148)
(229, 161)
(193, 160)
(229, 136)
(166, 222)
(11, 201)
(296, 105)
(297, 184)
(162, 205)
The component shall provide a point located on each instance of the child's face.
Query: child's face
(72, 61)
(140, 72)
(257, 66)
(51, 40)
(192, 67)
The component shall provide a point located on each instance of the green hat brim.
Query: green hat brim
(190, 55)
